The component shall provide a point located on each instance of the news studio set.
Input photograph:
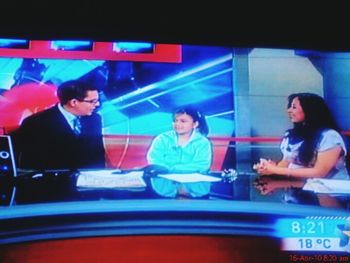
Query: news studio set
(115, 212)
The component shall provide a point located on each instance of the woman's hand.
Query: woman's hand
(265, 167)
(267, 185)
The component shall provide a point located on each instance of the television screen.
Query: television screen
(133, 93)
(242, 92)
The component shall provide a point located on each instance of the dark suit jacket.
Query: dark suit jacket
(46, 141)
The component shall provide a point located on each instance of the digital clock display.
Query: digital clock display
(310, 227)
(314, 233)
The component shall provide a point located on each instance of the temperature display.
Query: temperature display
(313, 244)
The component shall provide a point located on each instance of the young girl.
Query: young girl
(185, 149)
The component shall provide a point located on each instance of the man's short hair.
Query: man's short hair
(73, 89)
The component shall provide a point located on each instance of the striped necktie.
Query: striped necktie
(77, 126)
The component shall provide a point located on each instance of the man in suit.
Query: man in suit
(65, 136)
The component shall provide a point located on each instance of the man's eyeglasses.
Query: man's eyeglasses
(94, 101)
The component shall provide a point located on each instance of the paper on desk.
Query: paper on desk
(106, 179)
(328, 186)
(190, 178)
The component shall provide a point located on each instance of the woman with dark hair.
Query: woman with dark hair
(314, 147)
(185, 149)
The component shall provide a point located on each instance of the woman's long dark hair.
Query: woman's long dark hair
(318, 117)
(196, 116)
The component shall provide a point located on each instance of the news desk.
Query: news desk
(63, 186)
(46, 216)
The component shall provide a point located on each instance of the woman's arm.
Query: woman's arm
(283, 163)
(267, 185)
(325, 161)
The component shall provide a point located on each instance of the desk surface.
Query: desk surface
(62, 187)
(52, 207)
